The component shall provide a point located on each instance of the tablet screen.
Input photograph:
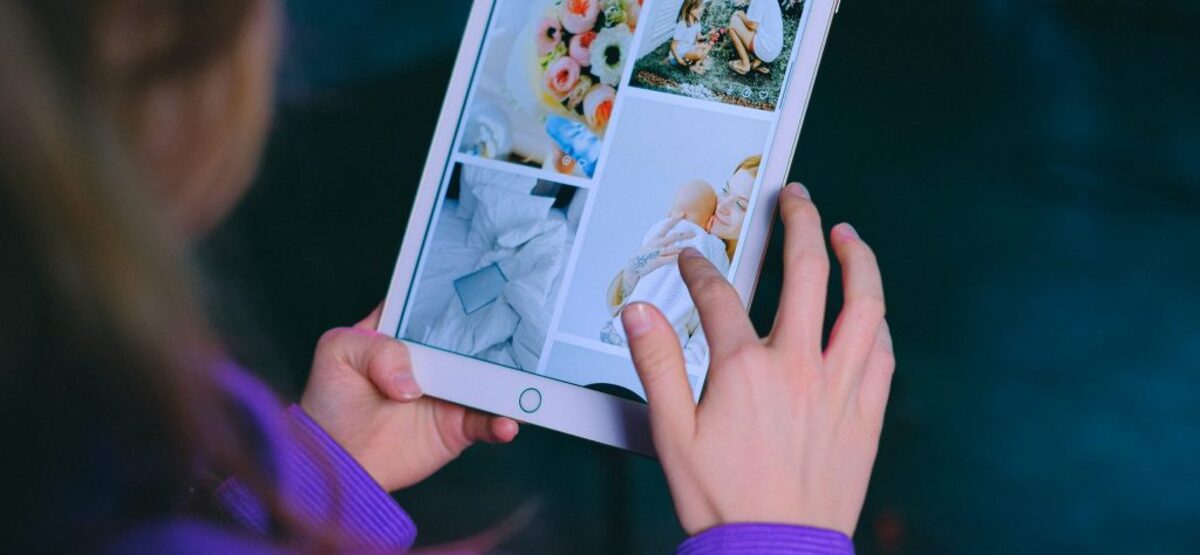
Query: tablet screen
(598, 138)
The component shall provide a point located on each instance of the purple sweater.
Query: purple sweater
(322, 484)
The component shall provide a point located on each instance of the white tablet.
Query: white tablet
(576, 136)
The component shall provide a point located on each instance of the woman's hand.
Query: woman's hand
(659, 251)
(787, 432)
(362, 392)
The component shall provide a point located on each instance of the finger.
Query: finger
(658, 359)
(670, 240)
(384, 361)
(659, 263)
(671, 222)
(877, 377)
(371, 322)
(481, 426)
(800, 320)
(504, 429)
(681, 236)
(863, 309)
(722, 314)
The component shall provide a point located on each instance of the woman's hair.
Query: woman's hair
(685, 11)
(107, 365)
(750, 164)
(731, 246)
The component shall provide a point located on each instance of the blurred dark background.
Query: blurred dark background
(1028, 171)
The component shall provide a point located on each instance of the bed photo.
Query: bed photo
(493, 269)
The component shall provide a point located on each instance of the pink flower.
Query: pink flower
(633, 8)
(579, 16)
(561, 76)
(549, 34)
(598, 106)
(581, 48)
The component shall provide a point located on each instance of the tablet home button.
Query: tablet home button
(531, 400)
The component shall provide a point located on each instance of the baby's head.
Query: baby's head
(695, 201)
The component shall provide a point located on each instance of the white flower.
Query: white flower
(697, 91)
(609, 52)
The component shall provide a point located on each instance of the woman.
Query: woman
(129, 127)
(725, 224)
(129, 428)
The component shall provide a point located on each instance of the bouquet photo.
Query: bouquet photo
(580, 48)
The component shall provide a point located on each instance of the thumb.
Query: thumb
(383, 361)
(659, 362)
(389, 367)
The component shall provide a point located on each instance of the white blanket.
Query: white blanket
(512, 330)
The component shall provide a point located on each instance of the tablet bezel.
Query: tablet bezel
(562, 406)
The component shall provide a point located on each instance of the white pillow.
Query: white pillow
(502, 211)
(475, 178)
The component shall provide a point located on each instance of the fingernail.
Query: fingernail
(637, 319)
(406, 386)
(799, 190)
(849, 231)
(516, 428)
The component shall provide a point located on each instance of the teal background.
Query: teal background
(1028, 171)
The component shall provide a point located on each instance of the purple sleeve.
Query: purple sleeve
(318, 481)
(766, 539)
(191, 537)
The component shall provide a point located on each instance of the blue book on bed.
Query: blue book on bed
(480, 288)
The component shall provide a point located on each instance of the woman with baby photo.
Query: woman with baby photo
(702, 218)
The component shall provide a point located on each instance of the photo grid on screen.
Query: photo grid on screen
(598, 139)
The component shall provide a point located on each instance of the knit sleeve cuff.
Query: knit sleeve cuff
(324, 482)
(766, 539)
(321, 484)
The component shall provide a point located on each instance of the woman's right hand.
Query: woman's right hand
(362, 393)
(659, 251)
(787, 431)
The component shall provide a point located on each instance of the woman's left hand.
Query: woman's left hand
(361, 391)
(659, 251)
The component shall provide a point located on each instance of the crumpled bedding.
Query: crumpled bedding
(511, 330)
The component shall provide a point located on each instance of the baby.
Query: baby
(693, 208)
